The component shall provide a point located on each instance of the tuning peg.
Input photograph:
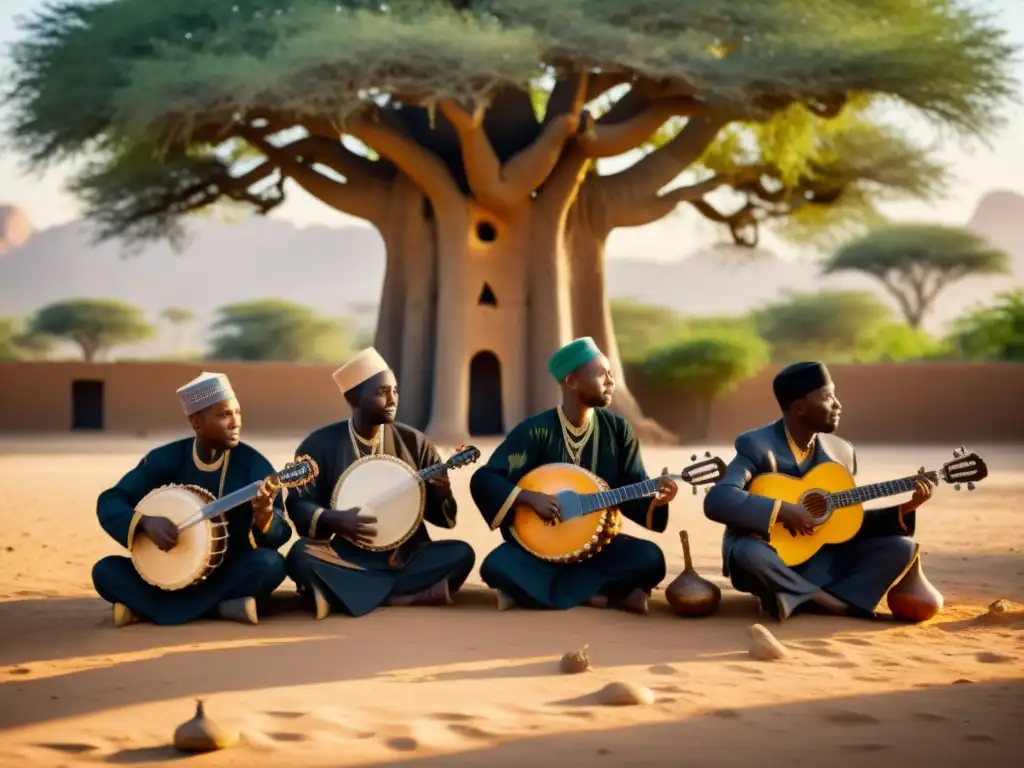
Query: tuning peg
(956, 487)
(970, 486)
(693, 457)
(707, 454)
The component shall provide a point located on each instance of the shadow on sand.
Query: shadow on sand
(42, 681)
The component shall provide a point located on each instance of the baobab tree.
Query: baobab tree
(467, 133)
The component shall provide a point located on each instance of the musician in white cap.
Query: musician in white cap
(330, 569)
(215, 459)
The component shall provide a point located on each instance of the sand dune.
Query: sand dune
(468, 686)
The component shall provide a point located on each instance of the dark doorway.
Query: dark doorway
(485, 395)
(86, 404)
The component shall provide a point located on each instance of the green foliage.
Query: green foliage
(828, 324)
(895, 343)
(18, 343)
(274, 329)
(640, 327)
(178, 315)
(166, 80)
(95, 325)
(992, 333)
(706, 365)
(915, 262)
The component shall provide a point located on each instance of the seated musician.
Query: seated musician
(846, 579)
(582, 431)
(216, 460)
(329, 569)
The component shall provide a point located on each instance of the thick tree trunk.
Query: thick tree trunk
(481, 311)
(587, 234)
(405, 334)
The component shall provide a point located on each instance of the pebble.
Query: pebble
(764, 646)
(625, 694)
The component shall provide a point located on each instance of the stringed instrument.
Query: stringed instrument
(400, 505)
(832, 496)
(202, 526)
(589, 515)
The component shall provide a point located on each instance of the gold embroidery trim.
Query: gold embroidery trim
(576, 438)
(509, 501)
(131, 527)
(313, 520)
(201, 465)
(775, 515)
(799, 455)
(898, 579)
(649, 520)
(375, 443)
(900, 512)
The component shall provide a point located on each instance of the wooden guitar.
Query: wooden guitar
(589, 517)
(830, 493)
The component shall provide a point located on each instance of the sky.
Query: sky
(977, 167)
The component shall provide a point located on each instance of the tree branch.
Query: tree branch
(503, 187)
(608, 140)
(423, 167)
(564, 95)
(641, 211)
(363, 197)
(658, 168)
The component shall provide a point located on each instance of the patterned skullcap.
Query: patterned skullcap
(205, 390)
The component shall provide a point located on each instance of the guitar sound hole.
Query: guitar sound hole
(817, 504)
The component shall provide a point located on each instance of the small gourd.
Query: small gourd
(575, 662)
(201, 734)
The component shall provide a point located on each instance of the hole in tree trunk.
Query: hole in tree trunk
(428, 209)
(485, 407)
(487, 297)
(486, 232)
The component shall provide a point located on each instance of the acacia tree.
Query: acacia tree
(421, 116)
(915, 262)
(95, 325)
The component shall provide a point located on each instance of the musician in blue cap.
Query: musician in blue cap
(846, 579)
(582, 431)
(216, 460)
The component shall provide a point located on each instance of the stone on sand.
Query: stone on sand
(621, 694)
(574, 662)
(764, 646)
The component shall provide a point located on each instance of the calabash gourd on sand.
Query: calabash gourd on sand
(689, 594)
(203, 734)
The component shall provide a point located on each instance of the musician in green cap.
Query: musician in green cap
(214, 460)
(582, 431)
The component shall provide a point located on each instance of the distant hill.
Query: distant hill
(15, 228)
(335, 269)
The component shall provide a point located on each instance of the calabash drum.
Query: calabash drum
(200, 549)
(390, 490)
(567, 541)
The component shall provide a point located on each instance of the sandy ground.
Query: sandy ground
(467, 685)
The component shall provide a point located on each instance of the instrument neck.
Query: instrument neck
(865, 493)
(233, 499)
(606, 499)
(434, 470)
